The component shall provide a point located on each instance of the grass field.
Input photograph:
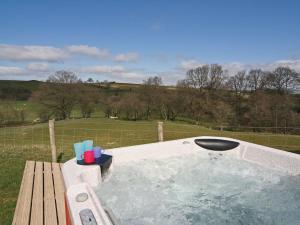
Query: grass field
(19, 144)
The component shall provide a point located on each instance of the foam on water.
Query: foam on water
(204, 188)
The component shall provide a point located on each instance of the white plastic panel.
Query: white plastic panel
(92, 203)
(272, 158)
(76, 174)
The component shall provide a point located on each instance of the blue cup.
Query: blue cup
(79, 151)
(88, 145)
(97, 152)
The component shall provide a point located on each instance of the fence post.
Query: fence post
(52, 140)
(160, 131)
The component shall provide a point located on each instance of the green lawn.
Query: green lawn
(32, 143)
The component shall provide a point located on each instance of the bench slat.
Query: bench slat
(20, 194)
(59, 194)
(49, 201)
(22, 211)
(37, 214)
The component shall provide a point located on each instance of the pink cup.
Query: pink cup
(89, 157)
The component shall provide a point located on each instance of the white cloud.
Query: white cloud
(293, 64)
(44, 67)
(11, 70)
(31, 71)
(89, 51)
(103, 69)
(31, 53)
(234, 67)
(115, 71)
(127, 57)
(35, 53)
(189, 64)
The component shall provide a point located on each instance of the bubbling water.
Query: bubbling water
(204, 188)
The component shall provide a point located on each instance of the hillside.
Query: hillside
(22, 90)
(17, 90)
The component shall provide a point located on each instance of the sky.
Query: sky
(130, 40)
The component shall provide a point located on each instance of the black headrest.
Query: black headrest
(216, 144)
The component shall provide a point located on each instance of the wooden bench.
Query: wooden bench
(41, 198)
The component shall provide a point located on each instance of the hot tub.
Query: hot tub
(201, 180)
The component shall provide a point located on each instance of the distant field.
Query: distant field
(32, 109)
(19, 144)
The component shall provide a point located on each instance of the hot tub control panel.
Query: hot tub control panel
(87, 217)
(82, 197)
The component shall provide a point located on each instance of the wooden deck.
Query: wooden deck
(41, 197)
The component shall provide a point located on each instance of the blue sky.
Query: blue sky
(130, 40)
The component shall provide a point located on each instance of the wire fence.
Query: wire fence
(32, 142)
(273, 130)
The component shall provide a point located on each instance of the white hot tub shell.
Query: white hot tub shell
(81, 179)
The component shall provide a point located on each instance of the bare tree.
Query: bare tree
(256, 79)
(283, 79)
(222, 112)
(87, 99)
(90, 80)
(210, 77)
(132, 106)
(190, 78)
(238, 82)
(58, 96)
(216, 77)
(183, 84)
(56, 100)
(63, 77)
(260, 112)
(112, 105)
(151, 91)
(198, 77)
(153, 81)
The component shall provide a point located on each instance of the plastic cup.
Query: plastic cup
(97, 152)
(89, 157)
(79, 151)
(88, 145)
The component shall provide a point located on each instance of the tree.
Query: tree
(198, 77)
(216, 77)
(256, 79)
(90, 80)
(58, 95)
(153, 81)
(169, 104)
(210, 77)
(283, 79)
(221, 112)
(238, 83)
(280, 110)
(149, 93)
(63, 77)
(112, 105)
(183, 84)
(132, 107)
(260, 113)
(87, 100)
